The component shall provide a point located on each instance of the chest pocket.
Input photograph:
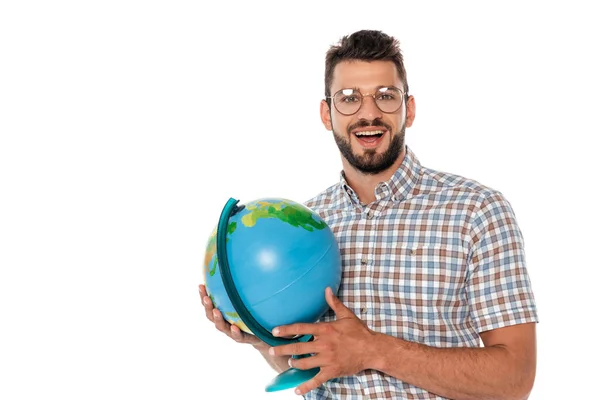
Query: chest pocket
(419, 292)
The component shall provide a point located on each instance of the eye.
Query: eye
(348, 96)
(387, 95)
(350, 99)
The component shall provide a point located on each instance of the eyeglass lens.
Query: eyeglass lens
(349, 101)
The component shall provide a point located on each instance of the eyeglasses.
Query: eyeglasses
(387, 98)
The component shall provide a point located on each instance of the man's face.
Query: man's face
(370, 140)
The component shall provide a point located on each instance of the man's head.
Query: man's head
(367, 105)
(364, 46)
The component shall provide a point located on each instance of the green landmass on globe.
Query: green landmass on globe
(292, 214)
(287, 212)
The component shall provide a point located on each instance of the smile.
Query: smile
(377, 133)
(369, 138)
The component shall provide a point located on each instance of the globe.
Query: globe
(267, 264)
(282, 256)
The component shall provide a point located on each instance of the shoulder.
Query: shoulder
(481, 202)
(445, 185)
(324, 199)
(434, 181)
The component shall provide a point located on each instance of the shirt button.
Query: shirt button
(364, 261)
(363, 310)
(370, 215)
(413, 252)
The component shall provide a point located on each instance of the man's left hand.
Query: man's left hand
(340, 348)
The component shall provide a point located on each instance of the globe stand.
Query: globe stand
(291, 377)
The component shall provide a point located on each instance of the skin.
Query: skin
(504, 368)
(367, 76)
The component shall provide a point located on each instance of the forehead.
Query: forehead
(365, 75)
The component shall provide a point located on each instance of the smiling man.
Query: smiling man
(435, 300)
(368, 114)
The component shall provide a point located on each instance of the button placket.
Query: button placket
(364, 263)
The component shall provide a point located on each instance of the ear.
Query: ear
(326, 115)
(411, 111)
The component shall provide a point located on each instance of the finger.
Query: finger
(204, 296)
(313, 383)
(294, 349)
(306, 362)
(220, 322)
(209, 314)
(336, 304)
(237, 334)
(208, 308)
(243, 337)
(297, 329)
(203, 292)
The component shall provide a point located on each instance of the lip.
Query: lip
(368, 144)
(369, 129)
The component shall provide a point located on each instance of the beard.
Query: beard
(370, 162)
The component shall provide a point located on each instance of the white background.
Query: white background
(126, 125)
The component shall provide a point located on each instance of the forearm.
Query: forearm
(457, 373)
(278, 363)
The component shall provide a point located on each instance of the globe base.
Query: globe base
(291, 378)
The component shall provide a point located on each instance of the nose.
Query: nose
(368, 109)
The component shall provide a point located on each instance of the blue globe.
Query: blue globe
(281, 257)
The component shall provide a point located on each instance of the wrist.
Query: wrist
(375, 352)
(384, 350)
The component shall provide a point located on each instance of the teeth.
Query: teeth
(368, 133)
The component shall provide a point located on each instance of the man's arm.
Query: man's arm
(503, 369)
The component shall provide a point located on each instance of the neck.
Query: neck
(364, 185)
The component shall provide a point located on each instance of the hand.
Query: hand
(341, 347)
(215, 316)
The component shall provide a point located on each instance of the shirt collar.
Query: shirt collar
(397, 188)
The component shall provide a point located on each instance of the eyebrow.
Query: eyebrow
(349, 88)
(376, 88)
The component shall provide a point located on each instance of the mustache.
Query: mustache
(363, 123)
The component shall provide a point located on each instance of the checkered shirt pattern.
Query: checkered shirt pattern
(436, 259)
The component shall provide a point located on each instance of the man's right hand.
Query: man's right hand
(215, 316)
(278, 363)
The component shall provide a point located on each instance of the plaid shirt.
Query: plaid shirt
(435, 259)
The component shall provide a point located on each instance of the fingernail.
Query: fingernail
(206, 300)
(215, 314)
(272, 351)
(297, 391)
(290, 362)
(275, 331)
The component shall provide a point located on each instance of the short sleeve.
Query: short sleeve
(498, 287)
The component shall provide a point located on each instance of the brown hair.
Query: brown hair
(365, 45)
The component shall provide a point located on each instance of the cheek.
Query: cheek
(340, 124)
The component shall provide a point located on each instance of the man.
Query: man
(435, 300)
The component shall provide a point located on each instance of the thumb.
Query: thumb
(336, 304)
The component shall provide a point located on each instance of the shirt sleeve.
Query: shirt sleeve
(498, 287)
